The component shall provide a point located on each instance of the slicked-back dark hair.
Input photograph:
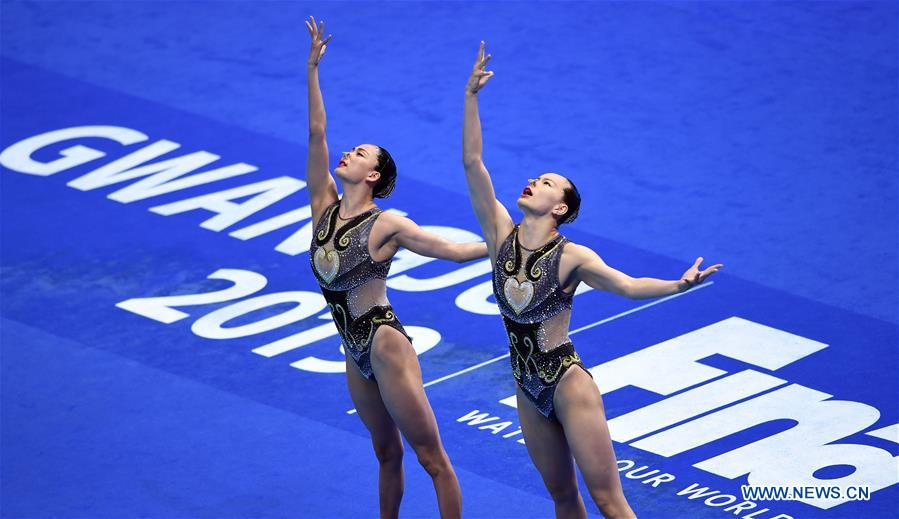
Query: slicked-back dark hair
(387, 168)
(572, 198)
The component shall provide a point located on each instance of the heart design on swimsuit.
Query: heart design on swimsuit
(327, 264)
(518, 294)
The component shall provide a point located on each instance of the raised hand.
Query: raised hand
(693, 276)
(479, 74)
(318, 45)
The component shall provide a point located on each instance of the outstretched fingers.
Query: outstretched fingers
(694, 276)
(321, 31)
(711, 270)
(482, 60)
(316, 30)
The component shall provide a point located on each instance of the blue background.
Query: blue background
(759, 135)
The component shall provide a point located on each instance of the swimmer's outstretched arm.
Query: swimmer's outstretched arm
(322, 188)
(403, 232)
(495, 221)
(593, 271)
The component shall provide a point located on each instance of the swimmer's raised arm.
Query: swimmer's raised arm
(493, 217)
(322, 188)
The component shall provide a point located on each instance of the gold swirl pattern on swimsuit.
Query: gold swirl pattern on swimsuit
(388, 316)
(342, 325)
(564, 362)
(527, 359)
(342, 240)
(512, 264)
(330, 220)
(534, 272)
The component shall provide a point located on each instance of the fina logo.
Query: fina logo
(790, 457)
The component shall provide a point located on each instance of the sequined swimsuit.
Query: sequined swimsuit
(352, 282)
(536, 314)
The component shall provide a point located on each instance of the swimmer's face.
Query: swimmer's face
(544, 194)
(358, 164)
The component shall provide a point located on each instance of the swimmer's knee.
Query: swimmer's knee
(563, 491)
(389, 452)
(433, 459)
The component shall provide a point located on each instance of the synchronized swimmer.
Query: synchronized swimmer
(352, 246)
(536, 271)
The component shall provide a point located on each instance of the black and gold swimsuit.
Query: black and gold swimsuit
(536, 313)
(352, 282)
